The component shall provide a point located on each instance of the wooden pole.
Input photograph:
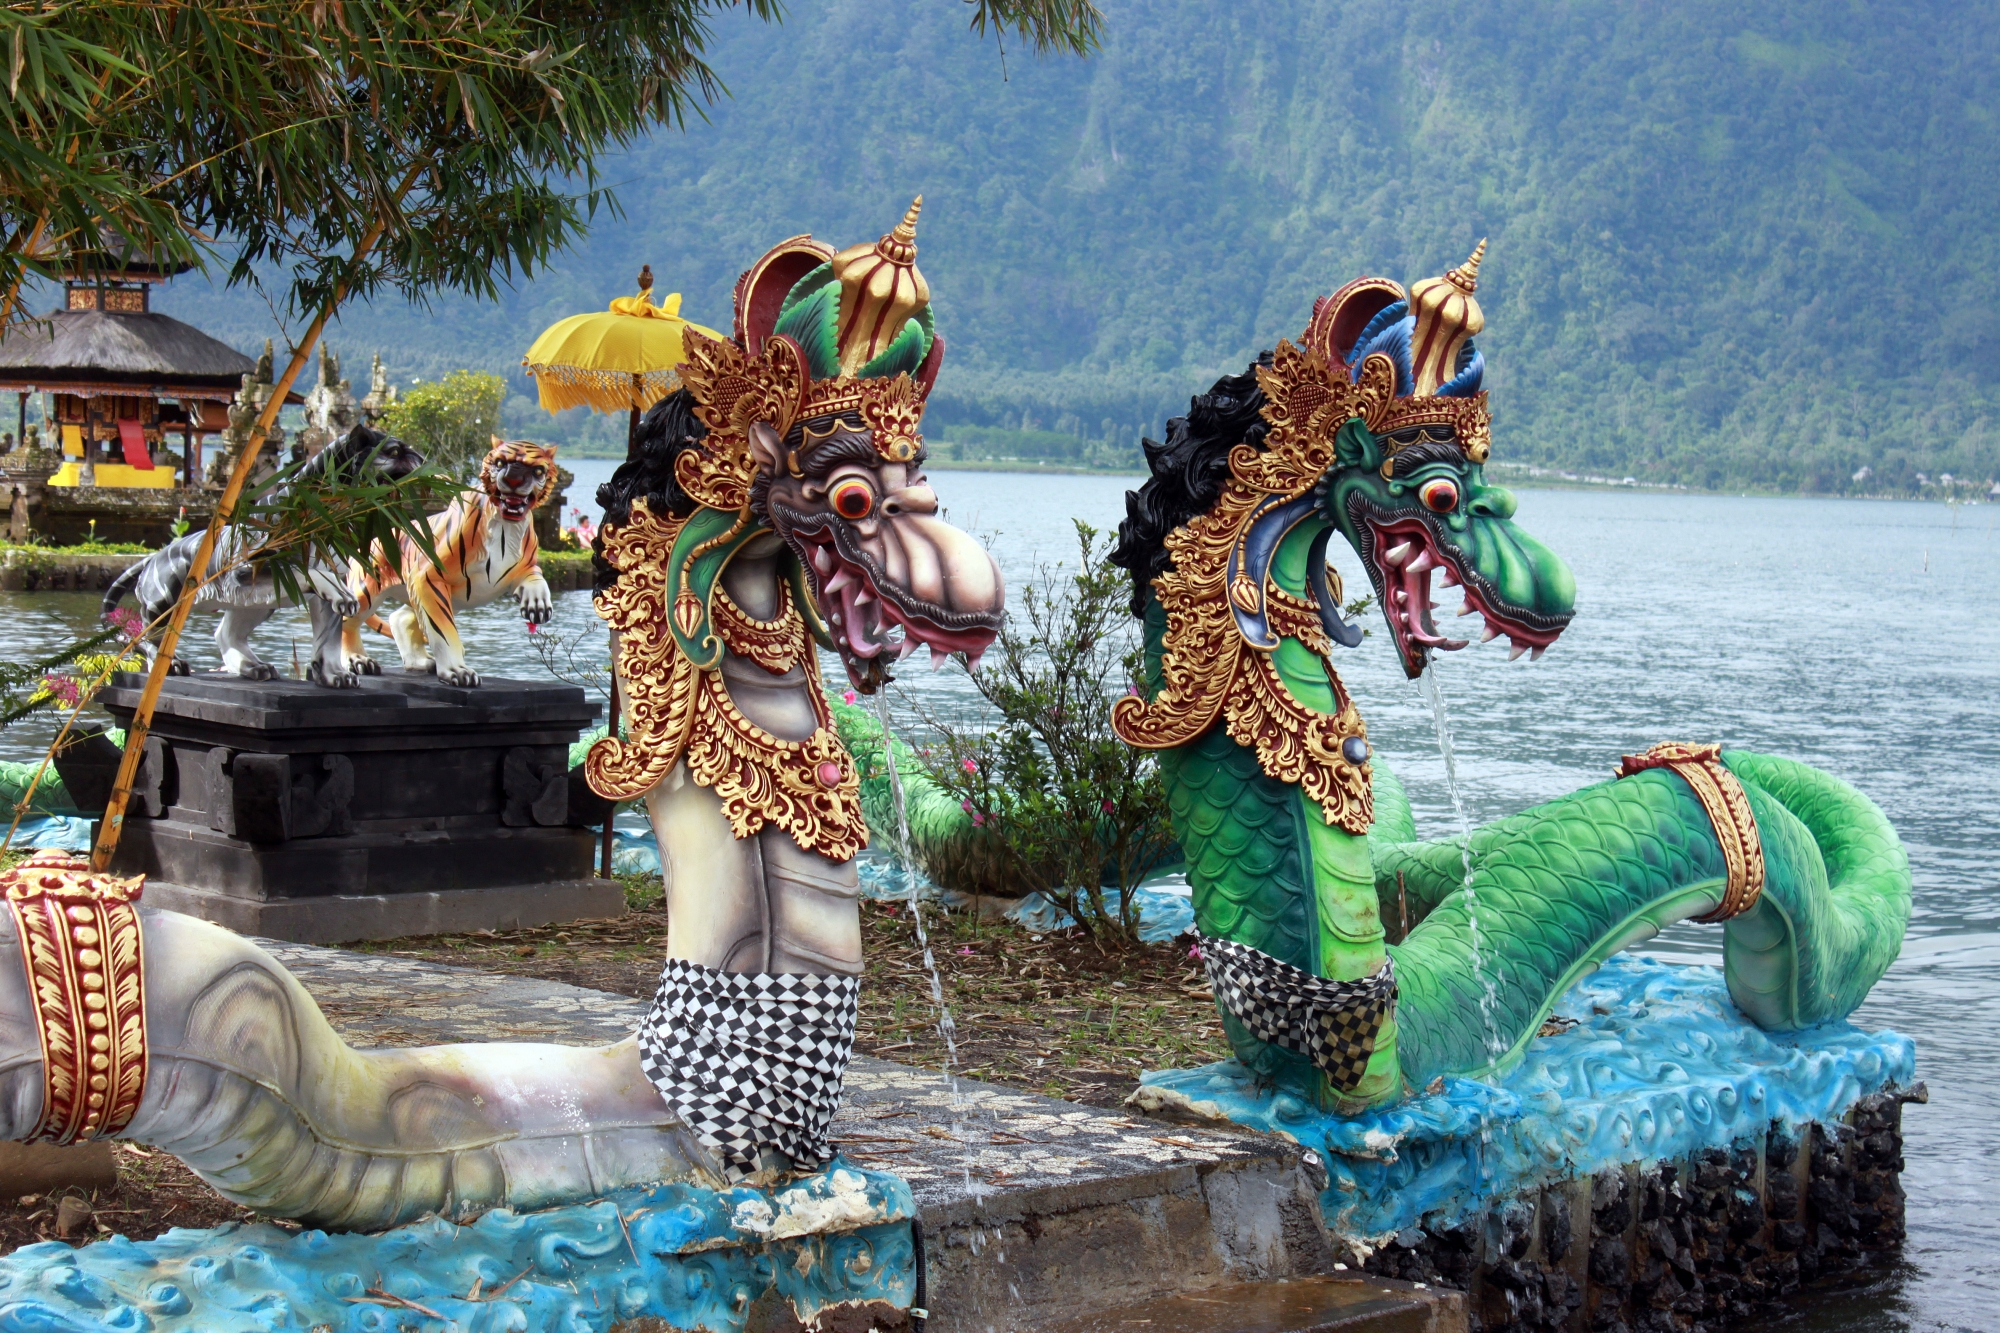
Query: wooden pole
(611, 723)
(142, 717)
(611, 814)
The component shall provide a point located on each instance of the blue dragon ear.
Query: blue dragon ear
(1389, 334)
(1469, 373)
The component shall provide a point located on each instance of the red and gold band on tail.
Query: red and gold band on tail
(1722, 796)
(79, 935)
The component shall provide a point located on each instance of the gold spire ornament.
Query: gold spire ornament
(1446, 315)
(880, 290)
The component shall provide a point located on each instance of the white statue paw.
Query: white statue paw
(334, 680)
(463, 677)
(257, 671)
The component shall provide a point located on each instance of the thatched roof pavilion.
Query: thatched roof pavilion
(90, 353)
(122, 376)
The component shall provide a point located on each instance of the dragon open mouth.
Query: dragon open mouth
(872, 619)
(1404, 552)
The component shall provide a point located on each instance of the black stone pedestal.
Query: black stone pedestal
(405, 807)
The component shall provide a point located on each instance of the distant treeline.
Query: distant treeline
(1731, 247)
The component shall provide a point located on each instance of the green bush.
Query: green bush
(451, 421)
(1057, 801)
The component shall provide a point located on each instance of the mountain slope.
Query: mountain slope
(1729, 245)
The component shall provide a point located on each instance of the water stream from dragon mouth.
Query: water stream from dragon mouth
(913, 892)
(1488, 989)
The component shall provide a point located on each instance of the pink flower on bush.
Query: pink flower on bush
(128, 620)
(847, 696)
(978, 820)
(1106, 807)
(970, 766)
(64, 689)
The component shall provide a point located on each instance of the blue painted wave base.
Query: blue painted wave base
(696, 1258)
(1659, 1065)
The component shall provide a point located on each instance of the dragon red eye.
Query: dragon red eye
(1439, 496)
(852, 499)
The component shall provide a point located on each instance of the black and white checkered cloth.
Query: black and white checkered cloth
(1332, 1023)
(751, 1060)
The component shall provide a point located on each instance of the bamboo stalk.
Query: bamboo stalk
(14, 292)
(142, 718)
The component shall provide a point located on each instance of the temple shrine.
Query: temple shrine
(130, 395)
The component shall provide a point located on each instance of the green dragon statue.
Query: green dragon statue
(1375, 428)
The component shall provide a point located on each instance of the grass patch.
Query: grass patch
(81, 548)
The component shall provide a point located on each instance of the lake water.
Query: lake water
(1860, 637)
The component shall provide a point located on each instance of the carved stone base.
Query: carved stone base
(338, 918)
(1654, 1162)
(289, 810)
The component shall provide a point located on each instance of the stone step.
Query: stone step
(1324, 1304)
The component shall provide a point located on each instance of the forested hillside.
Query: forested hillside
(1730, 245)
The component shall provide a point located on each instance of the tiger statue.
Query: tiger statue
(486, 548)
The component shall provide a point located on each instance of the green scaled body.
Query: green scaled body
(1557, 889)
(1499, 930)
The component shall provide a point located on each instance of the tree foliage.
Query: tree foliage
(450, 421)
(1729, 246)
(471, 132)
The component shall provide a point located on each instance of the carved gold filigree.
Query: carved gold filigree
(1296, 618)
(777, 645)
(1728, 809)
(1209, 670)
(1469, 418)
(80, 941)
(656, 678)
(1297, 744)
(809, 788)
(732, 392)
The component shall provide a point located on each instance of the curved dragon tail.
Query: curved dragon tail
(1557, 889)
(1836, 897)
(250, 1086)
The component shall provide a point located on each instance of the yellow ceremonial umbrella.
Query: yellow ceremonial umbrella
(624, 358)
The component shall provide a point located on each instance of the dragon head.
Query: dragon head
(888, 575)
(806, 423)
(1407, 487)
(1412, 504)
(1374, 426)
